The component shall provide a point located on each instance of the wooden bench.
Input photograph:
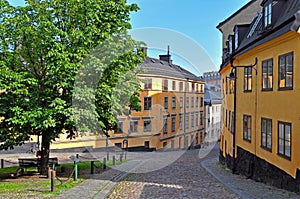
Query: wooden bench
(35, 162)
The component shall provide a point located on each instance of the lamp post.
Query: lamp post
(233, 75)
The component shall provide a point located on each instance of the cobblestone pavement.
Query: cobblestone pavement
(192, 174)
(197, 174)
(184, 178)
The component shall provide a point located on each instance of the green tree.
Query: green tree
(43, 45)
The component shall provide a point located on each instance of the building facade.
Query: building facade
(213, 107)
(260, 76)
(172, 115)
(213, 77)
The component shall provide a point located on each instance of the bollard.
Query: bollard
(53, 179)
(104, 163)
(75, 171)
(92, 167)
(2, 163)
(121, 157)
(114, 160)
(49, 172)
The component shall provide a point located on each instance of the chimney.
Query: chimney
(167, 57)
(144, 50)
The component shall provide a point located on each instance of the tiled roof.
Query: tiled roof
(154, 66)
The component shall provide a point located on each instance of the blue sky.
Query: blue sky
(193, 20)
(196, 19)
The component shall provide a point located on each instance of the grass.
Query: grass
(39, 187)
(13, 169)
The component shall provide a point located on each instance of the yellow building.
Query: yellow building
(261, 90)
(172, 114)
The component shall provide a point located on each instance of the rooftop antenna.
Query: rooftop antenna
(168, 50)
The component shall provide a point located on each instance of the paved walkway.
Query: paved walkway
(195, 174)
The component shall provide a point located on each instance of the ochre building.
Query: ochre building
(261, 91)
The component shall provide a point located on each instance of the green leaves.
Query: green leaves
(43, 45)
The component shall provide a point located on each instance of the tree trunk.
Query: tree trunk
(43, 167)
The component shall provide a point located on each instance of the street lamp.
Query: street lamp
(233, 76)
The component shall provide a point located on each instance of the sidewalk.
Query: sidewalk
(100, 185)
(243, 187)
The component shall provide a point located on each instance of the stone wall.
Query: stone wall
(260, 170)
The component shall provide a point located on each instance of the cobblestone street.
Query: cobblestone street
(185, 178)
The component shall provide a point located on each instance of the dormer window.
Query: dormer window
(268, 14)
(230, 44)
(236, 37)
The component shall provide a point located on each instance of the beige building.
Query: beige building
(172, 115)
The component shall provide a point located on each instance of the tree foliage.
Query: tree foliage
(42, 47)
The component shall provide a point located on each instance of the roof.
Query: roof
(257, 35)
(212, 94)
(236, 13)
(154, 66)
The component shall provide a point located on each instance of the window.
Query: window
(197, 118)
(187, 102)
(165, 124)
(165, 88)
(193, 87)
(148, 84)
(284, 139)
(173, 102)
(134, 126)
(247, 128)
(180, 121)
(247, 79)
(268, 14)
(192, 102)
(192, 119)
(285, 76)
(197, 101)
(187, 119)
(236, 37)
(181, 86)
(181, 102)
(266, 133)
(147, 125)
(187, 88)
(147, 103)
(201, 102)
(230, 44)
(267, 74)
(173, 85)
(120, 127)
(201, 117)
(166, 102)
(173, 125)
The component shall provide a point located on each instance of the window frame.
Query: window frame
(174, 102)
(269, 64)
(166, 102)
(248, 79)
(147, 103)
(166, 124)
(285, 56)
(268, 15)
(134, 126)
(148, 84)
(247, 128)
(173, 123)
(166, 85)
(150, 124)
(266, 134)
(284, 155)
